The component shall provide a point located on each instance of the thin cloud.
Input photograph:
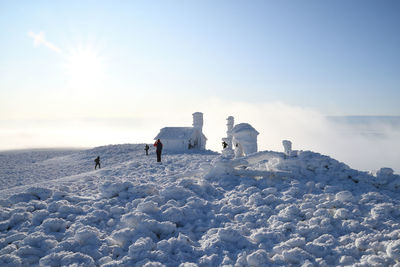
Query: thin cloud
(39, 39)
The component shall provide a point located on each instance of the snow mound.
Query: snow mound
(266, 209)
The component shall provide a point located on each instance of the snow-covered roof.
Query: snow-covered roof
(184, 133)
(241, 127)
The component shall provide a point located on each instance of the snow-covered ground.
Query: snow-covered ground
(197, 209)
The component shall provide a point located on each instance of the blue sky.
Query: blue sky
(160, 61)
(340, 57)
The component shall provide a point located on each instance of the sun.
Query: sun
(84, 66)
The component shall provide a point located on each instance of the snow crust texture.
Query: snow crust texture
(204, 209)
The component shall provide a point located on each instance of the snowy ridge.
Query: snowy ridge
(266, 209)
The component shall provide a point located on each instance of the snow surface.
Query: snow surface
(194, 209)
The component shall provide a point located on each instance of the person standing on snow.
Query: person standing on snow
(146, 147)
(224, 144)
(159, 147)
(97, 160)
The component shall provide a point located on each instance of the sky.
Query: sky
(85, 73)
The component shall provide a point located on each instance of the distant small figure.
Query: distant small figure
(159, 147)
(97, 160)
(190, 146)
(224, 144)
(146, 148)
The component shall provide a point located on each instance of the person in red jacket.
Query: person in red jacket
(159, 147)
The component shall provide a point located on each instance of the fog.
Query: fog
(364, 143)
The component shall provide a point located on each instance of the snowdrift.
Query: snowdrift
(266, 209)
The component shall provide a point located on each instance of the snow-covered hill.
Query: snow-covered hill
(202, 209)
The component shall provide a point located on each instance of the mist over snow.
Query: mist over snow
(194, 209)
(363, 142)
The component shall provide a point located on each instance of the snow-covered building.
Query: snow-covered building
(184, 138)
(244, 139)
(241, 137)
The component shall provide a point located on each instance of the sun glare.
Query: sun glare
(84, 66)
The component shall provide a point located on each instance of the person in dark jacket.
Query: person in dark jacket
(146, 148)
(97, 160)
(224, 144)
(159, 147)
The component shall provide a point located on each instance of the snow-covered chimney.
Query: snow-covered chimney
(198, 120)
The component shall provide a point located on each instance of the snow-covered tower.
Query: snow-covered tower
(244, 139)
(198, 120)
(229, 125)
(228, 138)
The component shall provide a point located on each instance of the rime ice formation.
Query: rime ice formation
(244, 139)
(184, 138)
(241, 137)
(194, 209)
(229, 126)
(287, 145)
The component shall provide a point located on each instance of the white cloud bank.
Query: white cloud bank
(306, 128)
(309, 129)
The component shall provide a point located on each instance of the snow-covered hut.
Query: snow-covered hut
(244, 139)
(184, 138)
(241, 139)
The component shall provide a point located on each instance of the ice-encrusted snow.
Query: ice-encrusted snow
(204, 209)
